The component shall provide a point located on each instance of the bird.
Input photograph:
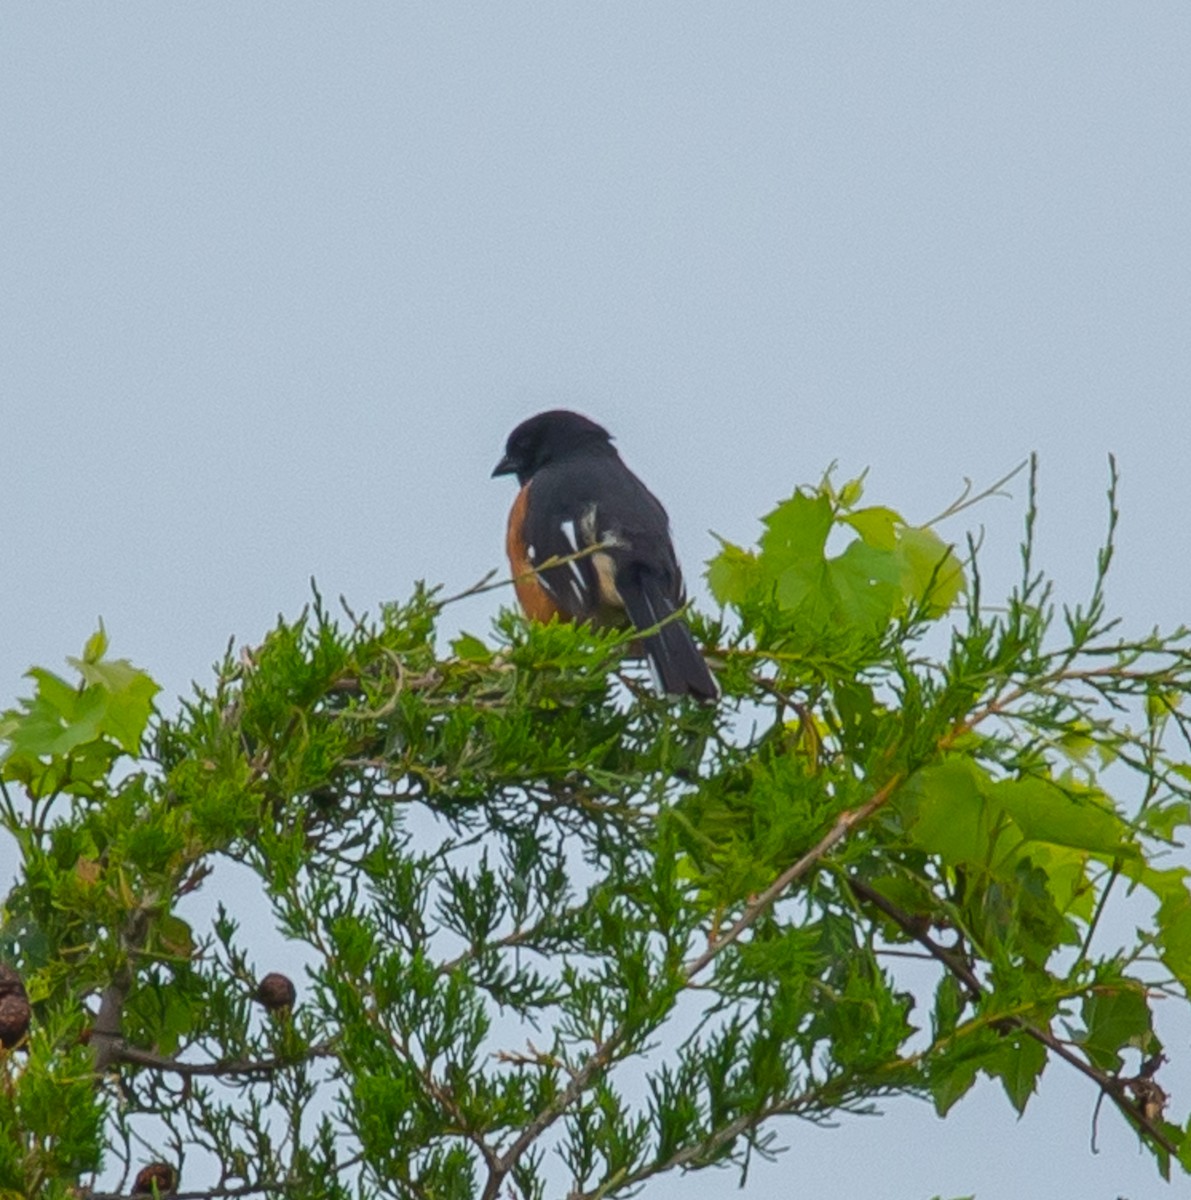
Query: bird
(576, 493)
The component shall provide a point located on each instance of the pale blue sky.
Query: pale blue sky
(276, 280)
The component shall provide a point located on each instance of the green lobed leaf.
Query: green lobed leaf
(1116, 1018)
(1019, 1065)
(1174, 933)
(946, 813)
(931, 574)
(877, 525)
(1045, 812)
(734, 575)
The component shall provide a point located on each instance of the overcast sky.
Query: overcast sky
(276, 281)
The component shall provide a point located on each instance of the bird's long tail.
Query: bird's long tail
(671, 650)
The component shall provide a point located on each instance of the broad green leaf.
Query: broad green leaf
(949, 1006)
(130, 695)
(1185, 1148)
(796, 533)
(175, 935)
(1174, 932)
(945, 811)
(53, 693)
(864, 581)
(1168, 884)
(1066, 876)
(1019, 1065)
(931, 573)
(1115, 1018)
(1164, 820)
(733, 575)
(877, 525)
(1045, 812)
(56, 720)
(950, 1085)
(115, 701)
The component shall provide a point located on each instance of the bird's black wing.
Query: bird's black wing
(598, 501)
(554, 528)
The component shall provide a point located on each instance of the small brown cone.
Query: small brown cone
(15, 1012)
(159, 1173)
(276, 992)
(10, 981)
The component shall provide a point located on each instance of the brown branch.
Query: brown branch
(951, 958)
(604, 1053)
(120, 1052)
(106, 1033)
(217, 1193)
(1109, 1085)
(765, 900)
(714, 1141)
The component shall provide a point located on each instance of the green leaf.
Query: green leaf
(115, 701)
(1019, 1065)
(950, 1085)
(949, 1006)
(56, 720)
(733, 575)
(96, 646)
(471, 649)
(1164, 820)
(1115, 1018)
(129, 701)
(1174, 930)
(1185, 1148)
(1045, 812)
(175, 935)
(931, 574)
(796, 534)
(851, 492)
(1075, 743)
(945, 811)
(877, 525)
(863, 584)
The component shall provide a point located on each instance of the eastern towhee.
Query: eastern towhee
(577, 493)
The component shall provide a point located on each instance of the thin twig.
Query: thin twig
(486, 585)
(967, 500)
(222, 1067)
(765, 900)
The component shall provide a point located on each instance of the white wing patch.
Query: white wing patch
(568, 532)
(589, 527)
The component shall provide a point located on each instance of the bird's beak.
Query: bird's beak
(505, 467)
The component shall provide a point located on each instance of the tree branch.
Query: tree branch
(120, 1052)
(1109, 1085)
(106, 1031)
(605, 1052)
